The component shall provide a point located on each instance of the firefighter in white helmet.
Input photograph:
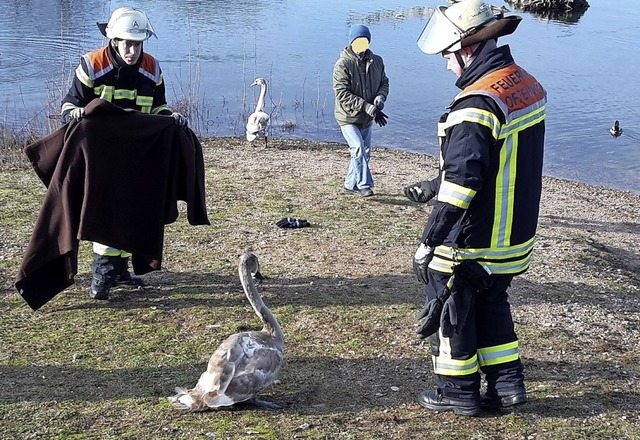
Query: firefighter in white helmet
(123, 74)
(481, 231)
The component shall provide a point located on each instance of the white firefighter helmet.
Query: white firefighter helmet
(127, 24)
(462, 24)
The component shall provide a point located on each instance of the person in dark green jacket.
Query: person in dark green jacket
(361, 88)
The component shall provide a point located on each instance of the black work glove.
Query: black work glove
(469, 278)
(380, 117)
(449, 315)
(432, 310)
(291, 222)
(421, 260)
(420, 192)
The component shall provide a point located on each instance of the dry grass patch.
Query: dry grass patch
(346, 299)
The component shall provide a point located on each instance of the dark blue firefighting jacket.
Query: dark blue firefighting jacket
(490, 168)
(101, 74)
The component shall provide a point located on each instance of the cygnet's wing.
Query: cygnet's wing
(256, 362)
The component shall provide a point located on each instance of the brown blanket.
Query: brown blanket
(114, 177)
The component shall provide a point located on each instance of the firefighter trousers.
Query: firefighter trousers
(486, 343)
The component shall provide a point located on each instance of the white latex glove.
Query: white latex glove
(180, 120)
(77, 113)
(379, 102)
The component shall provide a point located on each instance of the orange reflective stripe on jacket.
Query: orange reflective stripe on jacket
(137, 94)
(511, 87)
(503, 233)
(98, 63)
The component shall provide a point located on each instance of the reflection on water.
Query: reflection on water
(537, 9)
(369, 18)
(211, 50)
(568, 17)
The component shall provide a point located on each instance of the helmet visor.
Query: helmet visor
(439, 33)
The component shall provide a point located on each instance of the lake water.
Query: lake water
(211, 50)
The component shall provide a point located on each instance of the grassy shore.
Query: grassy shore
(345, 296)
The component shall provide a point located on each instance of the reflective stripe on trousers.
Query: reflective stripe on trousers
(108, 251)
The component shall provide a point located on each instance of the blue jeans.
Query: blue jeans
(359, 140)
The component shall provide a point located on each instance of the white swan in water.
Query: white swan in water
(245, 363)
(258, 121)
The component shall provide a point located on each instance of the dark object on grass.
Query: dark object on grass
(292, 222)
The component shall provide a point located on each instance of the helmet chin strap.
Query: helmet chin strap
(459, 59)
(461, 62)
(114, 45)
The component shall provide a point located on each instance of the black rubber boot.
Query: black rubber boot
(104, 275)
(99, 290)
(437, 401)
(505, 386)
(125, 277)
(495, 401)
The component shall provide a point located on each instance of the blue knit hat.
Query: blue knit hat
(359, 30)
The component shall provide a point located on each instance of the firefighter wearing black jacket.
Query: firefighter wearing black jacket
(123, 74)
(482, 228)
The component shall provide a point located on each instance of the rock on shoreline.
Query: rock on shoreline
(542, 6)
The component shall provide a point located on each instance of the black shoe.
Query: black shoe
(124, 277)
(130, 280)
(366, 192)
(436, 401)
(99, 290)
(494, 402)
(351, 191)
